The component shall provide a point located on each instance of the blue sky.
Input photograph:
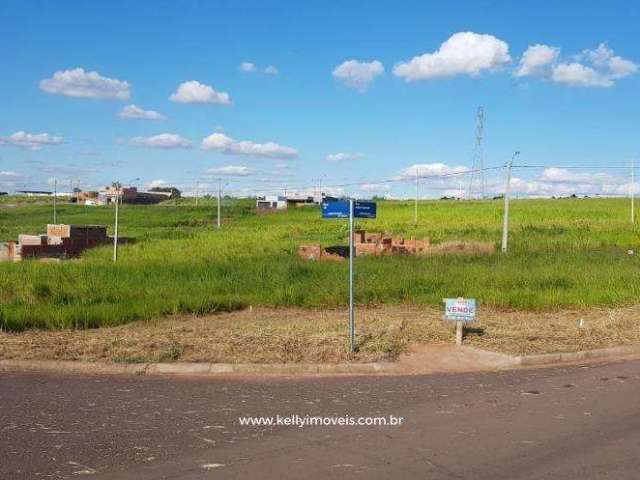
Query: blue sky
(407, 102)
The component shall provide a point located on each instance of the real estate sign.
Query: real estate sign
(460, 309)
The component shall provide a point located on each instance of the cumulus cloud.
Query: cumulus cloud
(196, 92)
(82, 84)
(430, 170)
(536, 60)
(222, 143)
(564, 175)
(464, 53)
(166, 141)
(340, 157)
(231, 171)
(579, 75)
(599, 67)
(133, 111)
(31, 141)
(358, 75)
(271, 70)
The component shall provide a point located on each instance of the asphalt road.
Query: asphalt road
(562, 423)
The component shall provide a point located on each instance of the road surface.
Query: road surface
(562, 423)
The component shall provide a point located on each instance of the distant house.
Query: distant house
(129, 195)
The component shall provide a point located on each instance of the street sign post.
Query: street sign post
(349, 209)
(461, 311)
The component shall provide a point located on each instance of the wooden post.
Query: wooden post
(459, 331)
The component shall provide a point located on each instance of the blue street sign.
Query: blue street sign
(364, 209)
(340, 209)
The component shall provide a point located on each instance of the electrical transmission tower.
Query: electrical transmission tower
(477, 181)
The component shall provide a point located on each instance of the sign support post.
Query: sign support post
(350, 209)
(352, 334)
(115, 230)
(459, 332)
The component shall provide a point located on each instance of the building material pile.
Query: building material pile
(378, 244)
(60, 241)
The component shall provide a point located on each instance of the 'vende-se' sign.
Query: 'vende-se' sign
(460, 309)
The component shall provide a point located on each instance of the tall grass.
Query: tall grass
(562, 253)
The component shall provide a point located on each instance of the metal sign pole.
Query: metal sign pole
(115, 231)
(55, 200)
(633, 193)
(351, 255)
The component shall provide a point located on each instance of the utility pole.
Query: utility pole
(219, 199)
(55, 201)
(633, 193)
(115, 230)
(507, 192)
(415, 206)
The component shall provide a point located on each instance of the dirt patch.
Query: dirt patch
(297, 335)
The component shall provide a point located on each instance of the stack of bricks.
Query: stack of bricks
(379, 244)
(369, 244)
(61, 241)
(74, 239)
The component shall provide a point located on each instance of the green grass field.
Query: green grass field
(569, 252)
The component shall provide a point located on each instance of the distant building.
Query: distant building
(125, 195)
(271, 202)
(35, 193)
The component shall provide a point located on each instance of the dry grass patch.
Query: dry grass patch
(297, 335)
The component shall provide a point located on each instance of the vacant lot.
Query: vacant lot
(268, 335)
(564, 253)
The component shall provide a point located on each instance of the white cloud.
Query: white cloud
(431, 170)
(536, 60)
(8, 174)
(375, 187)
(31, 141)
(133, 111)
(247, 67)
(227, 145)
(159, 183)
(358, 75)
(166, 141)
(82, 84)
(464, 53)
(591, 68)
(579, 75)
(231, 171)
(339, 157)
(564, 175)
(196, 92)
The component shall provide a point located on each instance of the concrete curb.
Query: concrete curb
(67, 366)
(572, 357)
(501, 362)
